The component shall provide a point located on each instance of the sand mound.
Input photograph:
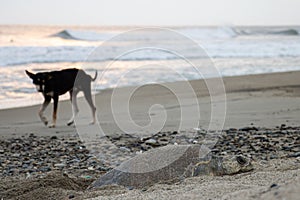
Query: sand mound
(52, 186)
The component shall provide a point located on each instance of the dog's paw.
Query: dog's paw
(44, 120)
(51, 126)
(70, 123)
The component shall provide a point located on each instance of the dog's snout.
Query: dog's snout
(39, 88)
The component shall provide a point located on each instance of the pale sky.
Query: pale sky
(150, 12)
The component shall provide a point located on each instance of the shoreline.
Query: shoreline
(229, 84)
(264, 100)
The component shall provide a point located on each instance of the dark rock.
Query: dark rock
(294, 155)
(248, 129)
(53, 137)
(45, 169)
(273, 185)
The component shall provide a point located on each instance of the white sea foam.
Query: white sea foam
(237, 48)
(235, 51)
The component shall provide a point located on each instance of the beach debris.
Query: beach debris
(171, 164)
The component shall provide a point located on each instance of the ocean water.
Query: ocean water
(232, 51)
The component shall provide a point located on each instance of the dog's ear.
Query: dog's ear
(31, 75)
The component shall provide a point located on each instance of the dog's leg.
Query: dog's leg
(75, 110)
(43, 108)
(54, 114)
(88, 97)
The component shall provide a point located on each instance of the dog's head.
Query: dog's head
(39, 80)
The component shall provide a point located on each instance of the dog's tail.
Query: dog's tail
(96, 74)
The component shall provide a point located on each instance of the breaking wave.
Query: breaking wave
(192, 32)
(283, 32)
(286, 32)
(83, 35)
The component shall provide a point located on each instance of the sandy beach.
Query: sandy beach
(266, 101)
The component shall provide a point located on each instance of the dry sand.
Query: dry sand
(267, 100)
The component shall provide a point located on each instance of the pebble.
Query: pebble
(32, 155)
(125, 149)
(151, 141)
(273, 185)
(294, 155)
(255, 142)
(59, 165)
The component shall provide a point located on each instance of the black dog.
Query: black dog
(55, 83)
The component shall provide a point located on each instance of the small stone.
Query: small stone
(294, 155)
(151, 141)
(125, 149)
(53, 137)
(254, 147)
(273, 185)
(25, 166)
(273, 156)
(32, 135)
(131, 188)
(296, 149)
(45, 169)
(15, 155)
(190, 140)
(86, 177)
(60, 165)
(287, 148)
(249, 129)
